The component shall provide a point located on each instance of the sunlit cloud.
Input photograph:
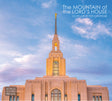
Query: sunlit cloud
(87, 29)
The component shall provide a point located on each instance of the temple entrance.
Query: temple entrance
(56, 95)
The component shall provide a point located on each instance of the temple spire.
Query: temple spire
(55, 23)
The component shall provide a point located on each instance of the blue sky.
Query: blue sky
(26, 32)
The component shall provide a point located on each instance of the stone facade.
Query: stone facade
(56, 86)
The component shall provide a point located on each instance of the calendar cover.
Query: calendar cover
(55, 50)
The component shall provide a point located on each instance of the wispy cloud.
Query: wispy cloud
(49, 4)
(90, 30)
(85, 21)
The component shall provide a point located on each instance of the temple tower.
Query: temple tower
(55, 64)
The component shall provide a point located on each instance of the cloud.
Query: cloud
(80, 30)
(85, 21)
(87, 29)
(49, 4)
(70, 47)
(98, 70)
(25, 58)
(14, 74)
(8, 49)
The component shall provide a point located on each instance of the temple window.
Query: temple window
(78, 97)
(100, 98)
(55, 46)
(65, 97)
(56, 95)
(55, 68)
(93, 98)
(14, 98)
(17, 98)
(32, 97)
(96, 98)
(10, 98)
(46, 97)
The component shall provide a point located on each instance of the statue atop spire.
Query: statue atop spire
(55, 41)
(55, 23)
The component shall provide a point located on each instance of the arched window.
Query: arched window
(55, 95)
(55, 68)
